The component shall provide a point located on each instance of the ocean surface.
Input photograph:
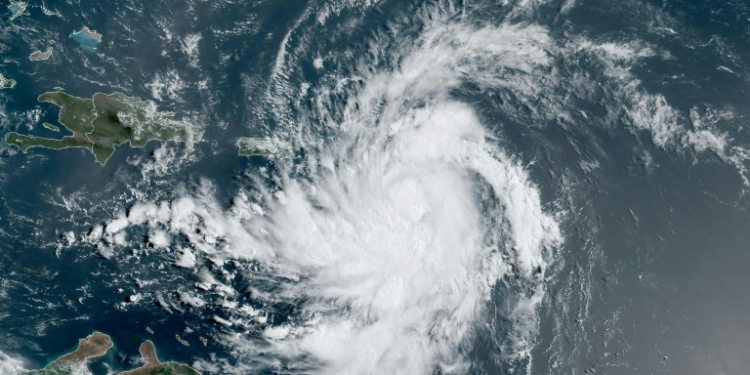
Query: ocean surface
(476, 187)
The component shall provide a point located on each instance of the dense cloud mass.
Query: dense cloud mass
(400, 225)
(392, 210)
(392, 232)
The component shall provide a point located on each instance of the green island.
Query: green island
(103, 122)
(51, 127)
(7, 83)
(152, 365)
(249, 146)
(96, 345)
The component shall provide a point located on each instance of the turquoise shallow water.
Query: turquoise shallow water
(87, 39)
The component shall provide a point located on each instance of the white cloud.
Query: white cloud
(191, 299)
(159, 239)
(403, 218)
(169, 84)
(653, 113)
(668, 127)
(185, 259)
(116, 225)
(120, 239)
(190, 46)
(10, 365)
(703, 140)
(402, 226)
(318, 62)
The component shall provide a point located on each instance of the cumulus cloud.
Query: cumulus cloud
(185, 259)
(668, 127)
(159, 238)
(10, 365)
(191, 299)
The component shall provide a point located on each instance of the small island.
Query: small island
(41, 56)
(7, 83)
(51, 127)
(249, 146)
(16, 8)
(88, 39)
(103, 122)
(96, 345)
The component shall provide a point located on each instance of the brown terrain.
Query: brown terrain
(94, 345)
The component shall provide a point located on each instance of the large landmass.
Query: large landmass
(152, 365)
(96, 345)
(105, 121)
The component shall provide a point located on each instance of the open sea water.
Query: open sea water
(476, 187)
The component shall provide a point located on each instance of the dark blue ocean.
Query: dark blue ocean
(628, 119)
